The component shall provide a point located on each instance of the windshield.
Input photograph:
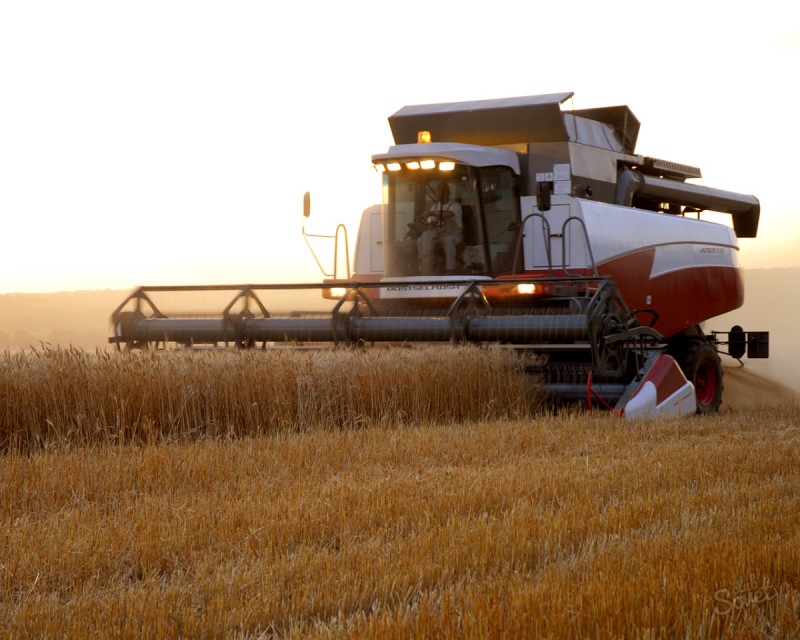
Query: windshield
(461, 221)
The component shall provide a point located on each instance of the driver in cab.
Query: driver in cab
(442, 225)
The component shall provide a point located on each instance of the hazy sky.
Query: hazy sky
(170, 142)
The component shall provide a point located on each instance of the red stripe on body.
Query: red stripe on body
(681, 298)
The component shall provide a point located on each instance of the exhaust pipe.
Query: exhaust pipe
(745, 210)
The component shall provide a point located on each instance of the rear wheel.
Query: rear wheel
(702, 367)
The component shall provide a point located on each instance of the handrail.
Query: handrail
(335, 238)
(545, 237)
(588, 245)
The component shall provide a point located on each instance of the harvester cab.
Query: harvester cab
(518, 222)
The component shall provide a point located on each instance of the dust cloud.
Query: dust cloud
(772, 303)
(79, 319)
(745, 388)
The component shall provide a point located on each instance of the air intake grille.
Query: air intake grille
(668, 169)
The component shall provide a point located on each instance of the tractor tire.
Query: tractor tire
(702, 367)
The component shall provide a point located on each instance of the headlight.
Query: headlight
(334, 293)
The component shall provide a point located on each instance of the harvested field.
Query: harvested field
(393, 524)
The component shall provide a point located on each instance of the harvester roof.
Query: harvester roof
(526, 119)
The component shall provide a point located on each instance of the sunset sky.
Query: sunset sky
(170, 142)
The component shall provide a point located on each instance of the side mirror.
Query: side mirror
(543, 191)
(306, 204)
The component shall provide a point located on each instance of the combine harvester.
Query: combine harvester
(516, 222)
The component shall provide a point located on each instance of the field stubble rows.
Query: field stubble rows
(398, 524)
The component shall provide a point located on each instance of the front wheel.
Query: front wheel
(702, 367)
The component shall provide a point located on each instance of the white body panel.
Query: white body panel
(645, 403)
(614, 232)
(369, 243)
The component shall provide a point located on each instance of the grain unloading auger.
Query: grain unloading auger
(525, 225)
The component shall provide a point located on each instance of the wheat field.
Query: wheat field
(65, 397)
(393, 494)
